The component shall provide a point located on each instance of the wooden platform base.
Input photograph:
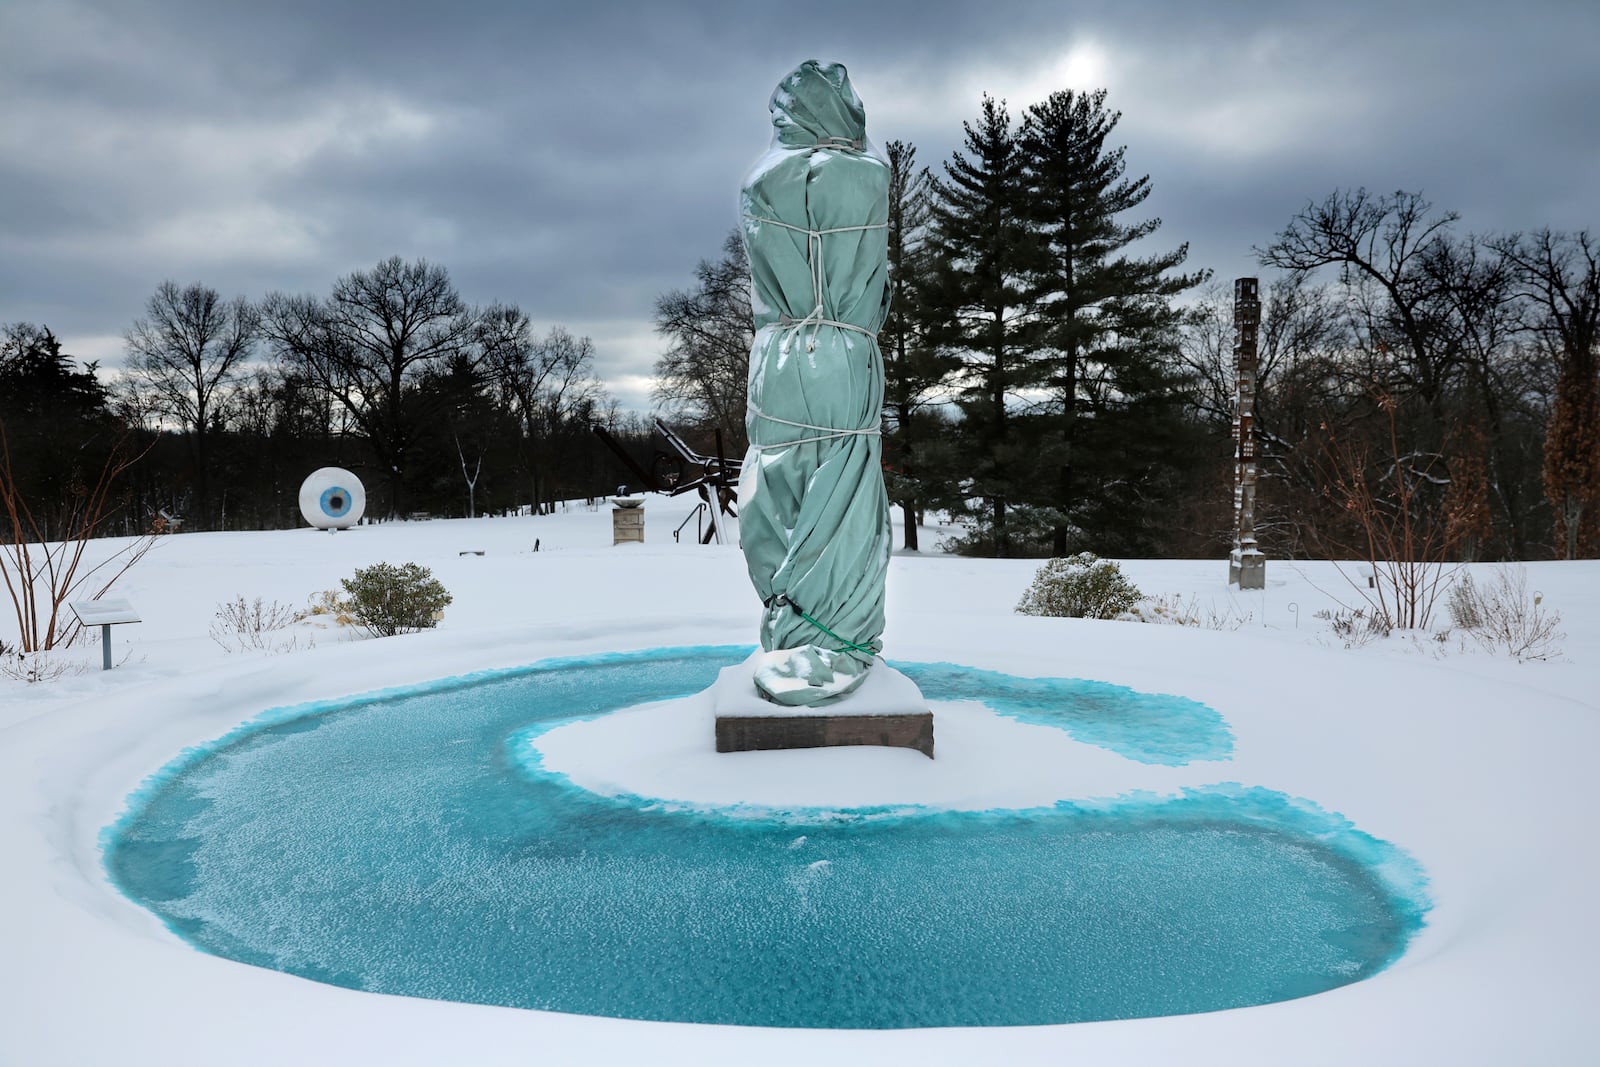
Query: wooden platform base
(749, 733)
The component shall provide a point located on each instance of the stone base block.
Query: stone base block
(1247, 570)
(886, 709)
(749, 733)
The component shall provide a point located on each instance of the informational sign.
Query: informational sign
(104, 614)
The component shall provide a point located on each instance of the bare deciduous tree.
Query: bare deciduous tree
(187, 352)
(1434, 317)
(1389, 500)
(1380, 244)
(549, 386)
(371, 342)
(1559, 274)
(1302, 345)
(704, 374)
(42, 574)
(1480, 316)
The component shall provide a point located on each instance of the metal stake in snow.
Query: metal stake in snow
(1247, 567)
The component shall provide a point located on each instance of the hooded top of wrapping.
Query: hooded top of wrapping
(815, 103)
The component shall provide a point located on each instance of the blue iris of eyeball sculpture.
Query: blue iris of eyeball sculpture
(332, 499)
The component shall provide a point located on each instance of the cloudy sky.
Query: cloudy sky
(578, 159)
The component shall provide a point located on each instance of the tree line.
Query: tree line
(1057, 381)
(439, 406)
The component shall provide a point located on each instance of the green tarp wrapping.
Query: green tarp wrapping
(813, 514)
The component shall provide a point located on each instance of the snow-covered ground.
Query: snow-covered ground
(1475, 764)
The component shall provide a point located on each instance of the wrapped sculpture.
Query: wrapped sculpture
(814, 516)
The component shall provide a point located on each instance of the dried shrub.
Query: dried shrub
(247, 625)
(329, 604)
(1173, 610)
(1393, 516)
(1504, 617)
(33, 667)
(1465, 604)
(1355, 627)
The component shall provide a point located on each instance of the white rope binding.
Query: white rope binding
(825, 433)
(818, 316)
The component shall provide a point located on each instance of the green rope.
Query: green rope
(830, 633)
(781, 599)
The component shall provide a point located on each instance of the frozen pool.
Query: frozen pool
(398, 844)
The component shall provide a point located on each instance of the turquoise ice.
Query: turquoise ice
(395, 844)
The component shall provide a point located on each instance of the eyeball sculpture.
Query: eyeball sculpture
(332, 499)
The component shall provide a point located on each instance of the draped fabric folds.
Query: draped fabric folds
(814, 517)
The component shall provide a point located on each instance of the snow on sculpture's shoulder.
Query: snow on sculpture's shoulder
(775, 156)
(758, 307)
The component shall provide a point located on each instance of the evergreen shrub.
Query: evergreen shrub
(1083, 586)
(387, 600)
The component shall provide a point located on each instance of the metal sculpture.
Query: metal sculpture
(332, 499)
(680, 469)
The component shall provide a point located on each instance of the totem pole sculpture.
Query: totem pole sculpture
(1247, 566)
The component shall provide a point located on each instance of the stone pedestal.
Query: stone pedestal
(1247, 568)
(627, 521)
(886, 709)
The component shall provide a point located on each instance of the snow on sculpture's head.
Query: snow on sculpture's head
(815, 102)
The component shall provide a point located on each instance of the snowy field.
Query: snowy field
(1473, 763)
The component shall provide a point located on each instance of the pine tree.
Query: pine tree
(982, 310)
(1119, 440)
(56, 419)
(914, 369)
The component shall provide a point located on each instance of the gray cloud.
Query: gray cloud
(580, 162)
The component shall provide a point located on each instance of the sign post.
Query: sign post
(105, 614)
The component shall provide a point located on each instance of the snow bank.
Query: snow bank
(1475, 765)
